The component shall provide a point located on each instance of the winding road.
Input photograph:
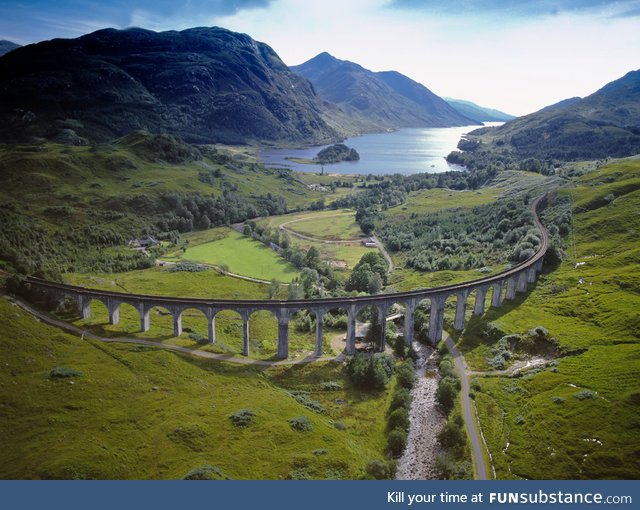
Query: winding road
(469, 415)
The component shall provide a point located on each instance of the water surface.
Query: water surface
(406, 151)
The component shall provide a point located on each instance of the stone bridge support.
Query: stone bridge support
(283, 333)
(521, 285)
(496, 297)
(84, 306)
(436, 319)
(511, 289)
(319, 318)
(481, 295)
(382, 320)
(531, 275)
(176, 313)
(211, 324)
(461, 309)
(245, 332)
(113, 307)
(409, 321)
(145, 317)
(351, 330)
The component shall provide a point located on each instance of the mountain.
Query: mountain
(379, 100)
(478, 113)
(561, 104)
(202, 84)
(7, 46)
(604, 124)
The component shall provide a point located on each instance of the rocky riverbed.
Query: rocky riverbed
(419, 459)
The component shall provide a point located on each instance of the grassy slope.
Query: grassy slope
(337, 226)
(593, 437)
(144, 413)
(242, 255)
(102, 178)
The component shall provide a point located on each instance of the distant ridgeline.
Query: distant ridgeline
(336, 153)
(604, 124)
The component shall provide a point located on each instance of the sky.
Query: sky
(516, 56)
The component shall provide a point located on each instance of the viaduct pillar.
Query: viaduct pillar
(351, 330)
(211, 325)
(436, 319)
(461, 309)
(481, 295)
(382, 319)
(113, 307)
(496, 297)
(319, 317)
(521, 285)
(283, 334)
(84, 305)
(511, 288)
(245, 332)
(410, 307)
(145, 317)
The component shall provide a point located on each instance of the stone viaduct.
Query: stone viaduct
(503, 285)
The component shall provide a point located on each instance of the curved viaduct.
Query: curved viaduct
(504, 285)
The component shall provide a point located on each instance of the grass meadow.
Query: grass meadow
(142, 413)
(579, 418)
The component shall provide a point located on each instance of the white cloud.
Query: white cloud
(515, 64)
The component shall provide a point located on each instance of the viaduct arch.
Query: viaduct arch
(504, 285)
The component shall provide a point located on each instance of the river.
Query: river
(405, 151)
(418, 462)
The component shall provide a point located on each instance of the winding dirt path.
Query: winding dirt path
(469, 415)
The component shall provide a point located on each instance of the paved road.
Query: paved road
(469, 415)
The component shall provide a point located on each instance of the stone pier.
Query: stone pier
(461, 309)
(436, 319)
(496, 296)
(481, 296)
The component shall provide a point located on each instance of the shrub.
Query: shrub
(339, 425)
(451, 436)
(299, 474)
(330, 386)
(397, 441)
(405, 375)
(320, 451)
(519, 420)
(301, 424)
(557, 400)
(63, 372)
(379, 470)
(370, 372)
(401, 399)
(242, 418)
(398, 419)
(446, 393)
(584, 395)
(206, 472)
(303, 398)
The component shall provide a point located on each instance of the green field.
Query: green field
(342, 256)
(328, 226)
(242, 255)
(142, 413)
(545, 425)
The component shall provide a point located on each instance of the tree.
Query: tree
(274, 288)
(313, 257)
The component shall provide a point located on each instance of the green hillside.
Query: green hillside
(579, 417)
(66, 208)
(137, 412)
